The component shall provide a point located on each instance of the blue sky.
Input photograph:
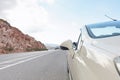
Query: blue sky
(54, 21)
(85, 10)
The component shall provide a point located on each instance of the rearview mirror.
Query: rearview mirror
(67, 45)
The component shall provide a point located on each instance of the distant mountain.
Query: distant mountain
(51, 46)
(13, 40)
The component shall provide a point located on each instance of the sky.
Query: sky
(54, 21)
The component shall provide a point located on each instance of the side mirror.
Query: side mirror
(67, 45)
(75, 45)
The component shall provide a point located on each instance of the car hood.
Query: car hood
(110, 44)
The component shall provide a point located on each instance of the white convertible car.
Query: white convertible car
(96, 54)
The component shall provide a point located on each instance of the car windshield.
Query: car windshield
(104, 30)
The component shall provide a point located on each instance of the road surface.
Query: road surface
(45, 65)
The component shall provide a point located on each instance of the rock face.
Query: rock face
(12, 40)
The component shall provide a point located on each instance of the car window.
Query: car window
(104, 31)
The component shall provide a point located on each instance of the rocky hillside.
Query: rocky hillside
(12, 40)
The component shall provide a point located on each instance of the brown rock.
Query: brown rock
(12, 40)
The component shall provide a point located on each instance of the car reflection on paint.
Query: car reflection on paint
(96, 54)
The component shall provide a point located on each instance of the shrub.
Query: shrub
(35, 49)
(9, 49)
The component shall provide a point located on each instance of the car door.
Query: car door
(87, 62)
(73, 58)
(77, 62)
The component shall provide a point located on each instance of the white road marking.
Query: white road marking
(13, 60)
(4, 65)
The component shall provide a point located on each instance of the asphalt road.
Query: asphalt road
(46, 65)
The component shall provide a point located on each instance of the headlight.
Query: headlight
(117, 64)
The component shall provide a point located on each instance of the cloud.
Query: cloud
(5, 5)
(32, 18)
(50, 2)
(28, 16)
